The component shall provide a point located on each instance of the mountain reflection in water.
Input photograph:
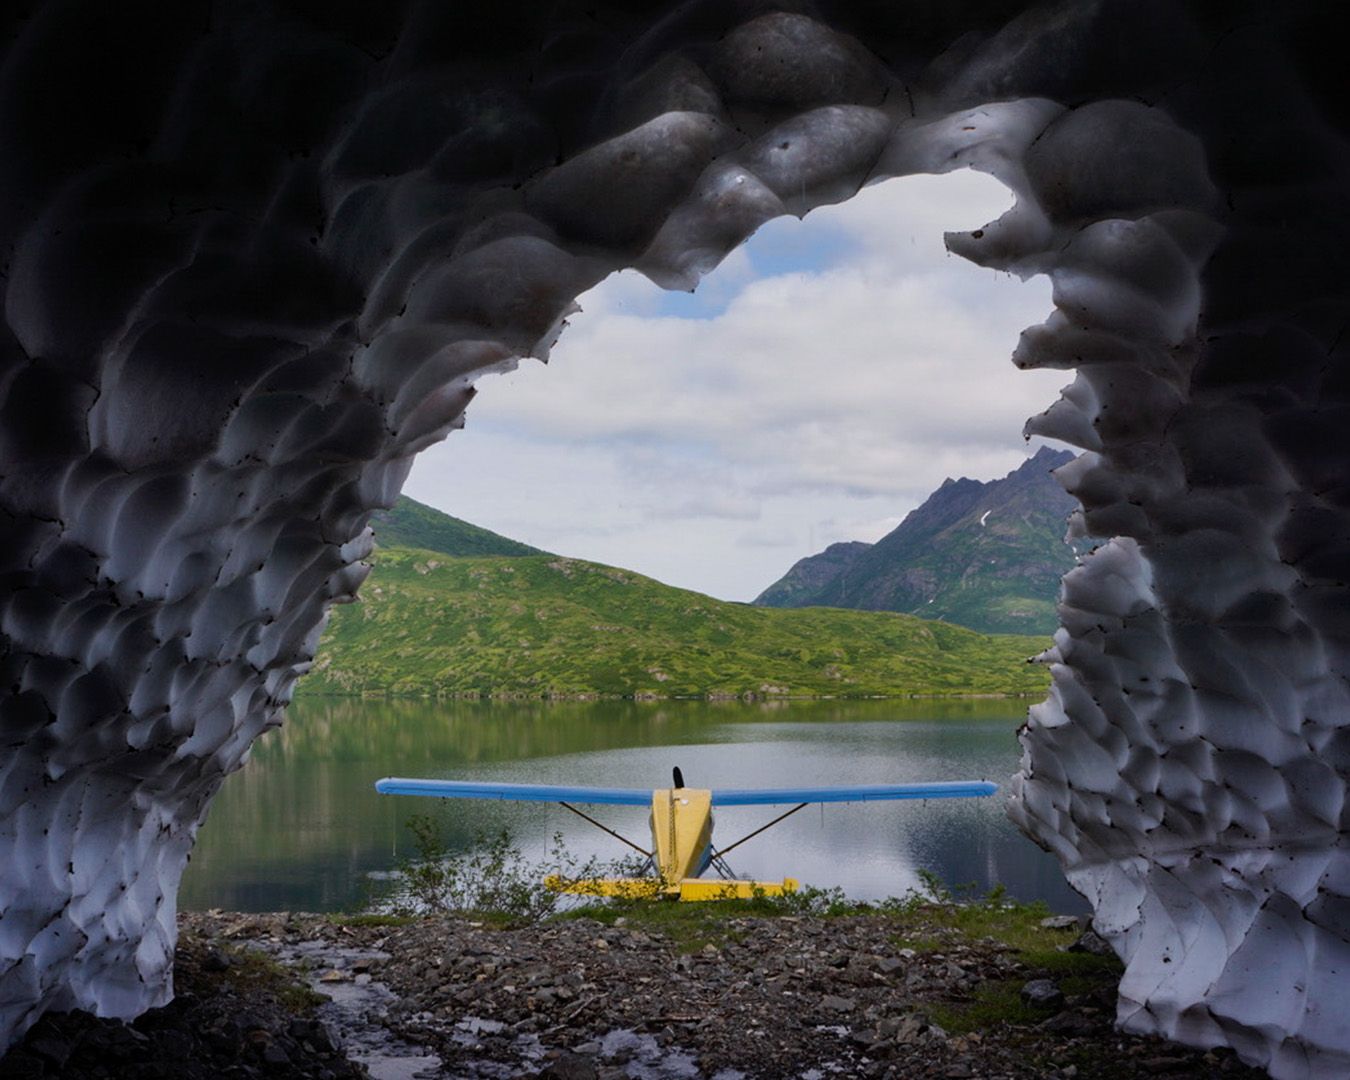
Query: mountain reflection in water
(302, 828)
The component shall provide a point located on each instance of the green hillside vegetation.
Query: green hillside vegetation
(411, 524)
(544, 626)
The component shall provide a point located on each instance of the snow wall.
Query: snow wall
(255, 256)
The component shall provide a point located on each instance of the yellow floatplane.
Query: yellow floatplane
(682, 826)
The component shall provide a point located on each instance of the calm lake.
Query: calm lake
(302, 828)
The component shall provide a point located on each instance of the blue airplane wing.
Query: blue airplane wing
(864, 793)
(473, 789)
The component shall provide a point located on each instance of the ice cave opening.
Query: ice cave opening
(256, 257)
(821, 381)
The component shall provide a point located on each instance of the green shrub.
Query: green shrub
(493, 879)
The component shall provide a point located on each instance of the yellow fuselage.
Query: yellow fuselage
(682, 825)
(681, 832)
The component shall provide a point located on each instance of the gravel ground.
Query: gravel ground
(578, 999)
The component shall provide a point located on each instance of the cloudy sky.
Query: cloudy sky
(817, 387)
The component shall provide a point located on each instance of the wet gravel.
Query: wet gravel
(308, 998)
(799, 997)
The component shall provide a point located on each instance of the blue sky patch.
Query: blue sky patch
(784, 245)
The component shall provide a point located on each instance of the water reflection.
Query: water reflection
(301, 827)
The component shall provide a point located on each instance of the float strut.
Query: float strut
(751, 836)
(606, 828)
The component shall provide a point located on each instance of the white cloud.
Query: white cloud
(821, 402)
(767, 538)
(715, 504)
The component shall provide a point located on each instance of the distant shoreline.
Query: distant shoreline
(748, 697)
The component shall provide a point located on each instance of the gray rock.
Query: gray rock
(838, 1004)
(325, 1037)
(23, 1063)
(570, 1067)
(889, 1027)
(173, 1045)
(275, 1054)
(903, 1029)
(1042, 993)
(51, 1049)
(1070, 1022)
(1060, 922)
(1168, 1063)
(1093, 943)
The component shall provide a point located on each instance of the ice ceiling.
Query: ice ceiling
(256, 254)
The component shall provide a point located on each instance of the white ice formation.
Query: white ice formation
(255, 255)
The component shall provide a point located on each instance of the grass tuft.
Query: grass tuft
(1041, 952)
(253, 971)
(995, 1003)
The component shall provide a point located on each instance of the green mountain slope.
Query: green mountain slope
(984, 555)
(543, 625)
(411, 524)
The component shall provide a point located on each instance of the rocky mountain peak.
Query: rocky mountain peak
(985, 554)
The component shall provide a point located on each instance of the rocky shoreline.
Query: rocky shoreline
(670, 995)
(760, 696)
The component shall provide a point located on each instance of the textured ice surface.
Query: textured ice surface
(256, 255)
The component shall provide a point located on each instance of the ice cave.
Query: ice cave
(256, 254)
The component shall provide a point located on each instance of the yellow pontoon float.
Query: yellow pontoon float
(682, 826)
